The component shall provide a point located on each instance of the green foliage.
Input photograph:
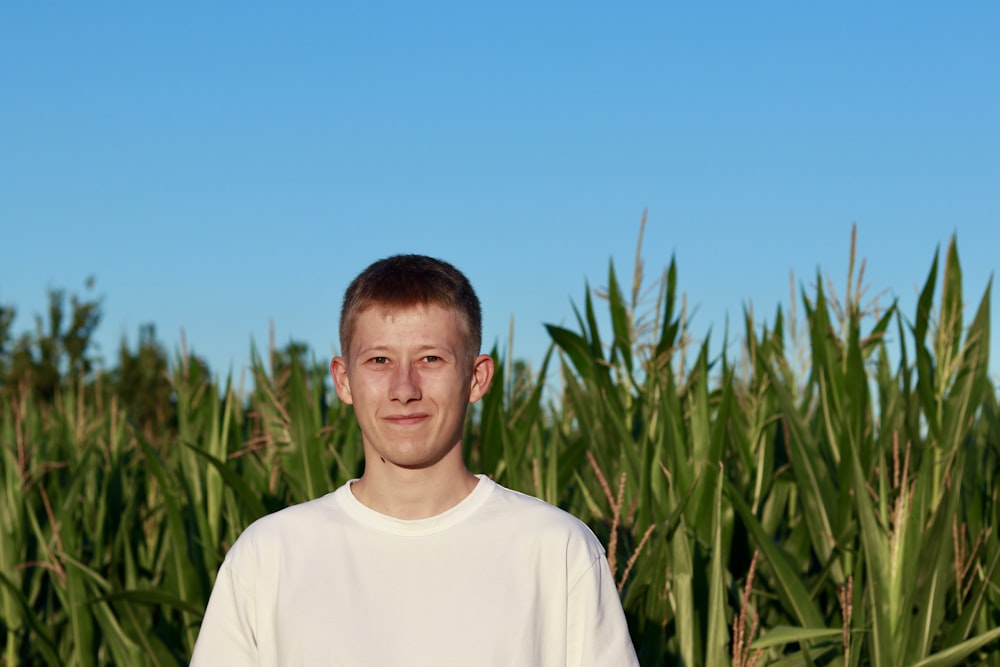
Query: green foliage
(825, 498)
(58, 349)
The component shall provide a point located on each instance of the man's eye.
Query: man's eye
(380, 360)
(431, 358)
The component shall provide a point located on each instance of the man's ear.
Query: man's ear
(482, 375)
(338, 371)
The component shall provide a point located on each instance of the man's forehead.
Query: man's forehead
(422, 327)
(393, 311)
(434, 315)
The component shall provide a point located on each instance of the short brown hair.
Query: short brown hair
(402, 281)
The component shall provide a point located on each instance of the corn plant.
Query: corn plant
(828, 497)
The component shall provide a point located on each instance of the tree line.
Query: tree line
(60, 351)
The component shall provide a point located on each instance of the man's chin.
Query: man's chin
(414, 459)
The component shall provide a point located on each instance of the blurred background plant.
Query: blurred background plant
(824, 496)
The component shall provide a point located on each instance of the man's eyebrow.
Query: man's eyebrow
(419, 347)
(376, 347)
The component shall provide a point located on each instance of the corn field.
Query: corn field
(824, 495)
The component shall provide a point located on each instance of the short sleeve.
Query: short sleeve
(228, 633)
(597, 633)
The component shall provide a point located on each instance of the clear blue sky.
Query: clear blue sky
(218, 166)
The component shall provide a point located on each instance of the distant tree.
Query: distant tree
(54, 354)
(295, 353)
(142, 383)
(76, 341)
(7, 314)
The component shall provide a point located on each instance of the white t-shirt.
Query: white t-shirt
(500, 579)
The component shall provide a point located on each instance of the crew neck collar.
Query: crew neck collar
(415, 527)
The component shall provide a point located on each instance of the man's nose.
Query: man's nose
(405, 384)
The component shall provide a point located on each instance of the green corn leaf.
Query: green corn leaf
(681, 585)
(811, 473)
(669, 328)
(591, 329)
(926, 375)
(717, 637)
(796, 601)
(620, 325)
(954, 655)
(879, 577)
(306, 423)
(575, 347)
(935, 574)
(784, 634)
(178, 535)
(42, 641)
(153, 598)
(246, 495)
(949, 332)
(963, 626)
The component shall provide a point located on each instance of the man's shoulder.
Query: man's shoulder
(294, 520)
(520, 501)
(531, 513)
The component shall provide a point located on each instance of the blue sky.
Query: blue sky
(219, 166)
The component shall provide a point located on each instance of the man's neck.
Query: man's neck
(406, 493)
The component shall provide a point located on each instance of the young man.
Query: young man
(418, 562)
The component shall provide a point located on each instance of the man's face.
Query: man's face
(409, 378)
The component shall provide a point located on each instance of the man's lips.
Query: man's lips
(407, 420)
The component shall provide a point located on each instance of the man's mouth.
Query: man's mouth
(406, 420)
